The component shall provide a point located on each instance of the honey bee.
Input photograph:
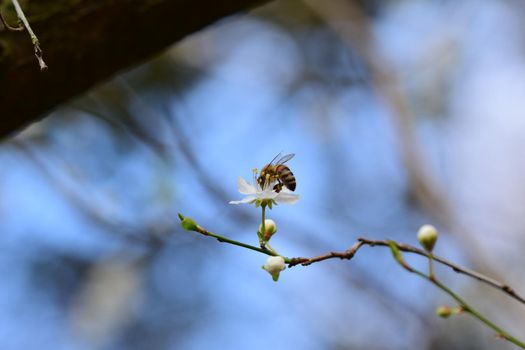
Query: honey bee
(277, 171)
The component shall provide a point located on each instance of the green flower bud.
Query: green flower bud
(427, 237)
(444, 311)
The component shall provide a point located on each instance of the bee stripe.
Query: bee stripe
(286, 176)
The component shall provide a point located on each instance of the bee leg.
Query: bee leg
(278, 187)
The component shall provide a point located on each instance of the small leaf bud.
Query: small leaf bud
(444, 311)
(188, 223)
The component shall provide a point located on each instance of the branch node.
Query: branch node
(39, 54)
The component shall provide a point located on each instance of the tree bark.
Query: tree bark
(85, 42)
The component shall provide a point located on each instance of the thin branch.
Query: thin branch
(223, 239)
(395, 248)
(34, 39)
(349, 254)
(500, 332)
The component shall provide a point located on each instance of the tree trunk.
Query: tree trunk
(85, 42)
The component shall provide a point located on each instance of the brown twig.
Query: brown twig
(349, 254)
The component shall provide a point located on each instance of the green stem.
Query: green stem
(432, 278)
(500, 332)
(234, 242)
(430, 265)
(269, 247)
(263, 219)
(264, 244)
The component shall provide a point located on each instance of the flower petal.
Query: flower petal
(248, 199)
(244, 187)
(287, 198)
(267, 194)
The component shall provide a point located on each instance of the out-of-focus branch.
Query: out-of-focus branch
(89, 41)
(350, 23)
(348, 20)
(81, 203)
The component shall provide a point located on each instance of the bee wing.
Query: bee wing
(284, 158)
(274, 158)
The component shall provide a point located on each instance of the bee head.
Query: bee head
(260, 179)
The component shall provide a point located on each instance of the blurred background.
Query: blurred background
(400, 113)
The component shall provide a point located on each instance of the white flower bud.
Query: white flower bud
(274, 265)
(427, 237)
(269, 227)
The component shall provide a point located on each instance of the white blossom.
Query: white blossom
(254, 193)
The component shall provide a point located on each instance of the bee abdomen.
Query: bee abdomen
(287, 177)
